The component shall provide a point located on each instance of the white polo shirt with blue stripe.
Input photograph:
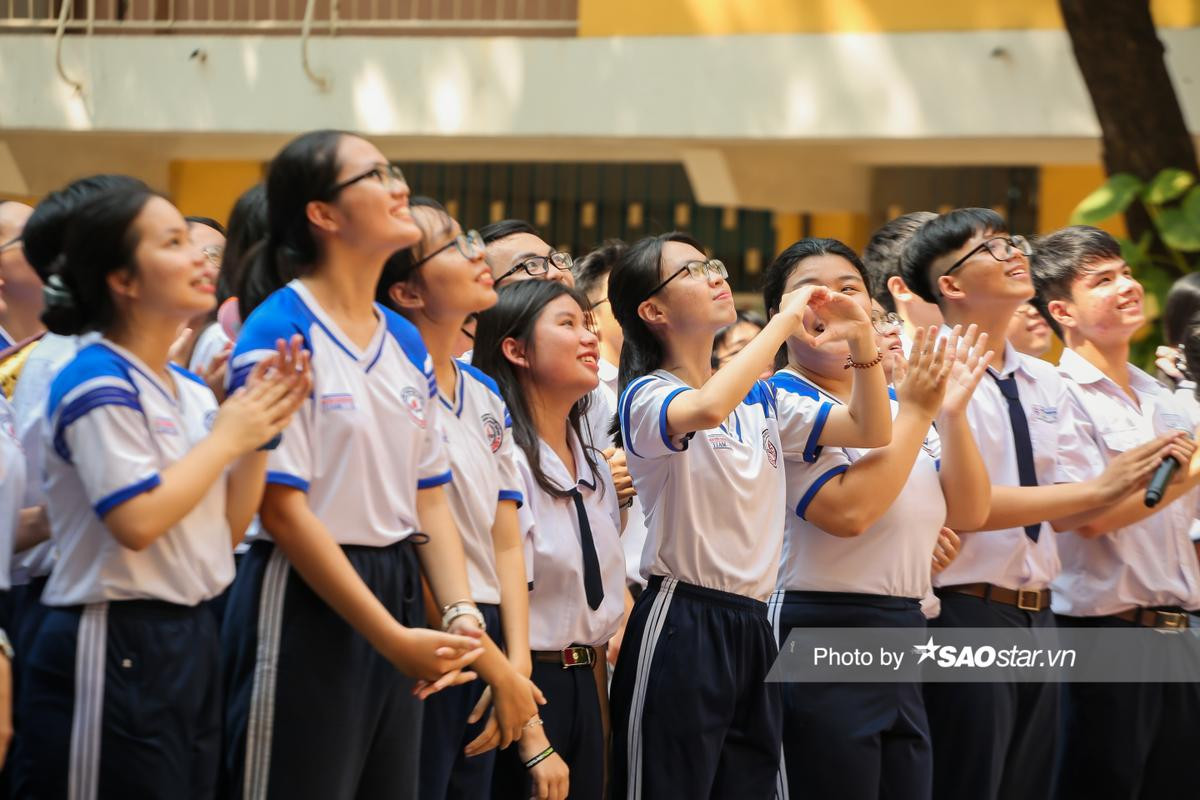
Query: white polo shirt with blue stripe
(892, 556)
(477, 432)
(714, 499)
(369, 436)
(112, 427)
(12, 487)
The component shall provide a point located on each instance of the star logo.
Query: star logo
(926, 651)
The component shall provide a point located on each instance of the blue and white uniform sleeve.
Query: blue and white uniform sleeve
(809, 476)
(643, 417)
(1076, 458)
(801, 421)
(434, 467)
(292, 463)
(104, 433)
(511, 487)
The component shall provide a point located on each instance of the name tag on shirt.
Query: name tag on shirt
(337, 402)
(718, 440)
(1044, 413)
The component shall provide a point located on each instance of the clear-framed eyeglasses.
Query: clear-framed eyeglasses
(701, 270)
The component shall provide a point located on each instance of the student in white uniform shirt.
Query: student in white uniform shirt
(537, 345)
(436, 284)
(858, 534)
(326, 656)
(148, 486)
(692, 715)
(999, 740)
(1132, 565)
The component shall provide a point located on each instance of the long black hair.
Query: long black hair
(514, 316)
(306, 169)
(100, 239)
(639, 270)
(400, 265)
(247, 232)
(785, 264)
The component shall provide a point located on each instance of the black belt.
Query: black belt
(577, 655)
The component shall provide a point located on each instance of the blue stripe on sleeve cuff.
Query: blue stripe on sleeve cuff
(434, 480)
(287, 479)
(510, 494)
(812, 449)
(115, 499)
(825, 477)
(662, 421)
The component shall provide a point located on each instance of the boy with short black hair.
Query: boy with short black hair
(1131, 566)
(999, 740)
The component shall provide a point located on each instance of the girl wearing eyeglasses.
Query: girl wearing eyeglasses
(692, 715)
(436, 284)
(538, 347)
(860, 526)
(326, 652)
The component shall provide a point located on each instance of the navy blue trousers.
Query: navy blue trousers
(446, 773)
(312, 709)
(855, 741)
(992, 740)
(1128, 740)
(692, 714)
(574, 727)
(124, 699)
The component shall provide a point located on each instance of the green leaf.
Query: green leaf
(1177, 231)
(1110, 199)
(1154, 279)
(1137, 254)
(1168, 185)
(1191, 205)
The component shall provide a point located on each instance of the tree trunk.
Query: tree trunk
(1121, 58)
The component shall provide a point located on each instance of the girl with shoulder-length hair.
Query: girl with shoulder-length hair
(860, 527)
(148, 488)
(436, 284)
(692, 715)
(326, 654)
(536, 344)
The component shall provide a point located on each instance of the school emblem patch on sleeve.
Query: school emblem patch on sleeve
(415, 404)
(493, 431)
(770, 449)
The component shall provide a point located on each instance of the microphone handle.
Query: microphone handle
(1158, 484)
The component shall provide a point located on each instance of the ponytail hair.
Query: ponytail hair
(100, 239)
(514, 316)
(639, 270)
(305, 170)
(785, 264)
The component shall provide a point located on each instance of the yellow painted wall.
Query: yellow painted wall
(725, 17)
(1061, 187)
(846, 226)
(210, 188)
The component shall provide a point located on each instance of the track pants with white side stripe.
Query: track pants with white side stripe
(692, 715)
(312, 709)
(126, 702)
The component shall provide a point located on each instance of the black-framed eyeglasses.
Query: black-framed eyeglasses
(536, 266)
(886, 322)
(386, 174)
(1001, 248)
(470, 246)
(11, 243)
(600, 302)
(697, 269)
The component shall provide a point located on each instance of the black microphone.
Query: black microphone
(1169, 466)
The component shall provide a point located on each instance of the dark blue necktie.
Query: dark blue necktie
(1020, 429)
(592, 583)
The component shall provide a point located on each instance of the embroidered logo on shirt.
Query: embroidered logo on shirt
(210, 417)
(719, 441)
(769, 447)
(165, 426)
(337, 402)
(492, 431)
(1044, 413)
(415, 404)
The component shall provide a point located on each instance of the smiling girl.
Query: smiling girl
(692, 715)
(149, 485)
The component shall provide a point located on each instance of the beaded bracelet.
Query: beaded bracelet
(539, 758)
(850, 362)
